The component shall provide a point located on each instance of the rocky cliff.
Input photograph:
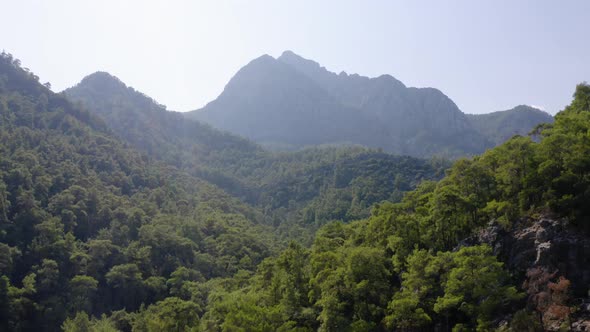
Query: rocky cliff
(541, 252)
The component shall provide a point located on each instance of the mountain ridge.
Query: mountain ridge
(291, 181)
(293, 101)
(501, 125)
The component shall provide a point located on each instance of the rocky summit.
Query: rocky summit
(291, 102)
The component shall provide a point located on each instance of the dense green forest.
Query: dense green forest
(88, 223)
(164, 224)
(94, 223)
(403, 268)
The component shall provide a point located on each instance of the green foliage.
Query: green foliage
(351, 285)
(90, 227)
(524, 320)
(412, 306)
(82, 291)
(82, 323)
(476, 285)
(171, 314)
(88, 224)
(430, 282)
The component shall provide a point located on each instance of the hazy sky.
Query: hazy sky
(485, 55)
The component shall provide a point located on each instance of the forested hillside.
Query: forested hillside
(437, 260)
(140, 224)
(409, 266)
(103, 229)
(175, 173)
(89, 224)
(308, 187)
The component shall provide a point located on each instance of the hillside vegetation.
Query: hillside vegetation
(404, 268)
(87, 223)
(172, 225)
(96, 219)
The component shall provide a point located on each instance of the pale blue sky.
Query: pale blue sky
(485, 55)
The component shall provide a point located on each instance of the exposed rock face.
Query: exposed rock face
(581, 325)
(545, 242)
(550, 244)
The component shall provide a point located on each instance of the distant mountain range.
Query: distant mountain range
(291, 102)
(289, 186)
(500, 126)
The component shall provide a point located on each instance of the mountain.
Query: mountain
(146, 124)
(500, 244)
(308, 187)
(104, 230)
(269, 102)
(500, 126)
(419, 122)
(105, 206)
(88, 223)
(294, 102)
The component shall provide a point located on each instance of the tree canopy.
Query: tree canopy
(98, 233)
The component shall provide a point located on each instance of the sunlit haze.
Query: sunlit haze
(485, 55)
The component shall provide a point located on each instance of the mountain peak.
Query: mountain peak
(529, 108)
(263, 61)
(392, 81)
(102, 75)
(323, 75)
(299, 62)
(103, 81)
(106, 89)
(288, 54)
(292, 101)
(264, 58)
